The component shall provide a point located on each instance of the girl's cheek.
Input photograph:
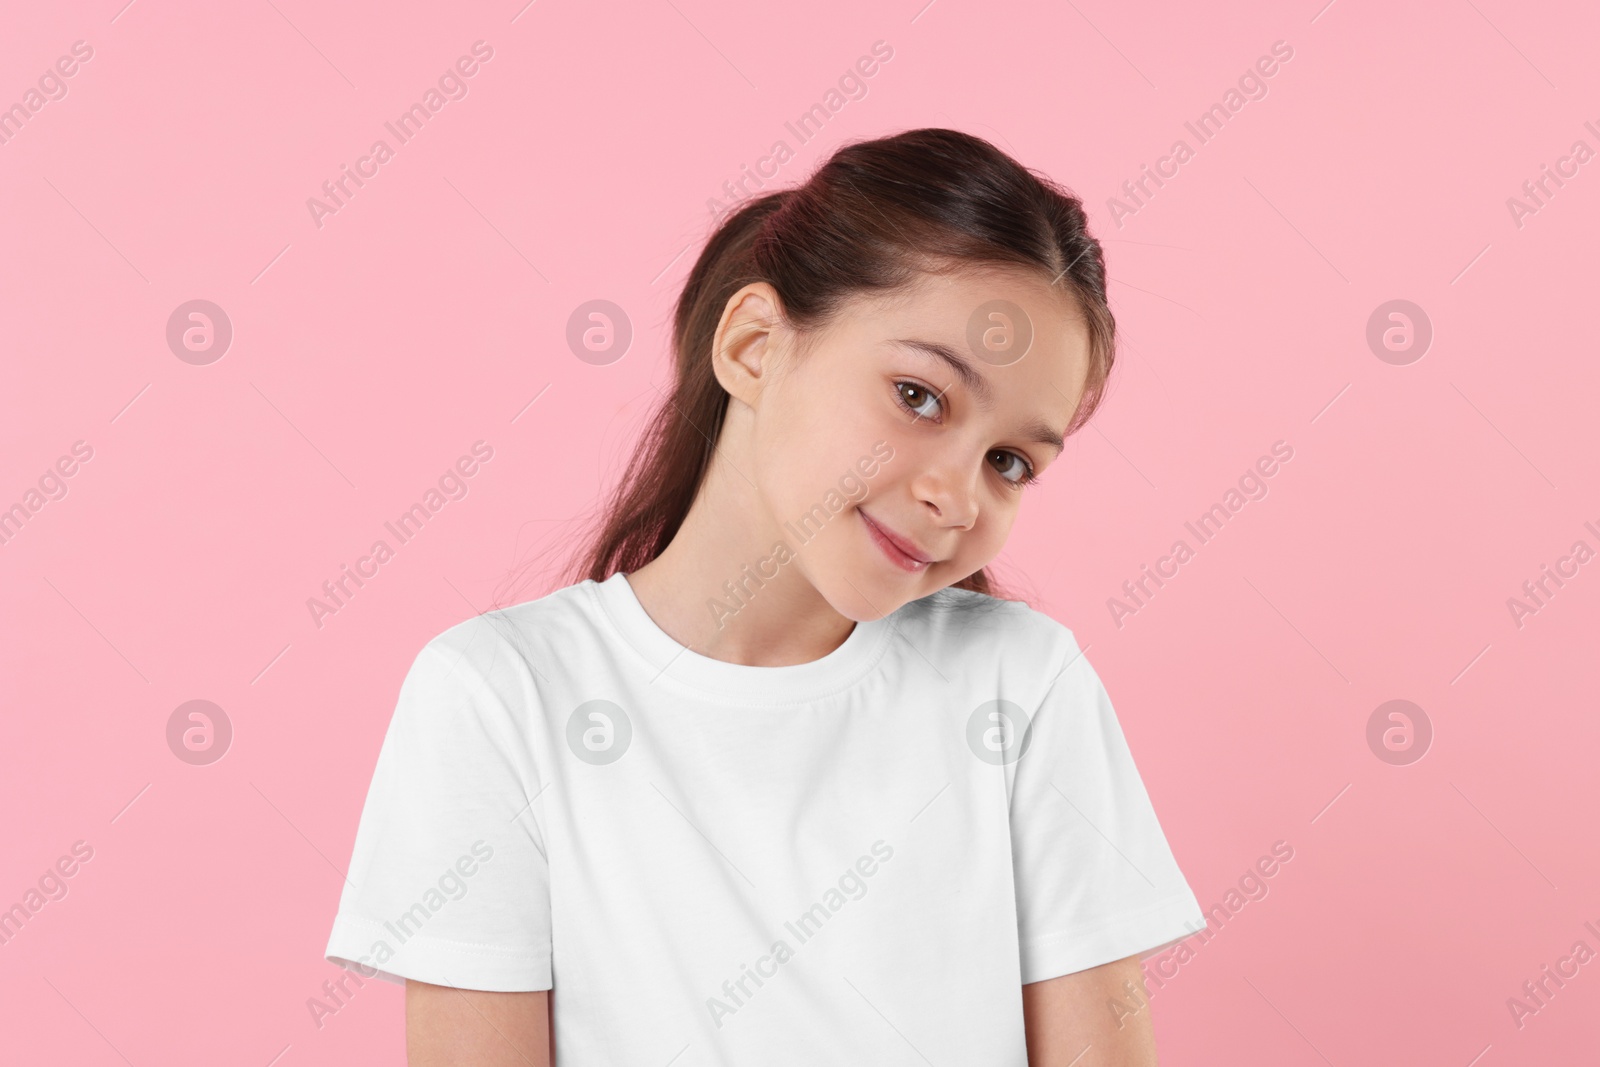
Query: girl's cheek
(997, 531)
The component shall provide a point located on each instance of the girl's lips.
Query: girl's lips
(901, 553)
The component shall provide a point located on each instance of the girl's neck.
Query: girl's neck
(727, 537)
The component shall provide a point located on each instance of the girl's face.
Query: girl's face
(894, 452)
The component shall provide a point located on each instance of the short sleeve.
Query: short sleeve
(1095, 878)
(448, 880)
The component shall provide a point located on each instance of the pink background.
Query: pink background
(369, 353)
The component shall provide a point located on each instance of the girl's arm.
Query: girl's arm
(446, 1027)
(1064, 1015)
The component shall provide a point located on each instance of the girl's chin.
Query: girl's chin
(865, 593)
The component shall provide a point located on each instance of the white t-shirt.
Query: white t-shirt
(860, 859)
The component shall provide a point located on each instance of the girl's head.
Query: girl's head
(893, 350)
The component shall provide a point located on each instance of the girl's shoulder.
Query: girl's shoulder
(509, 639)
(965, 622)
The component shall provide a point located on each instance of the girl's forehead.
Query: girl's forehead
(951, 297)
(963, 314)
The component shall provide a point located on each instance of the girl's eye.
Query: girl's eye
(1012, 467)
(916, 399)
(921, 402)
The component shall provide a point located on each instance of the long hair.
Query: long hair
(868, 220)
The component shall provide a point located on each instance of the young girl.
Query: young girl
(782, 779)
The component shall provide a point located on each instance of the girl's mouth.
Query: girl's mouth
(901, 552)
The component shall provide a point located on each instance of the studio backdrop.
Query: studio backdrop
(325, 327)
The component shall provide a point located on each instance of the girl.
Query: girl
(781, 778)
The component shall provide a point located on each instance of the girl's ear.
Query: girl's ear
(744, 348)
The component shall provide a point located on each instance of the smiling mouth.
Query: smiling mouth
(900, 552)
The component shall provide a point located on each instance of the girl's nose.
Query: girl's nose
(949, 489)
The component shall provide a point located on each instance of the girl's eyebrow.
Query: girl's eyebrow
(974, 380)
(970, 376)
(1038, 431)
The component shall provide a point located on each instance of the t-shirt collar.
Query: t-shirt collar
(739, 683)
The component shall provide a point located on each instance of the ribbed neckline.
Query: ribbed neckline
(737, 682)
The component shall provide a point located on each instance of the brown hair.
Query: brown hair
(870, 219)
